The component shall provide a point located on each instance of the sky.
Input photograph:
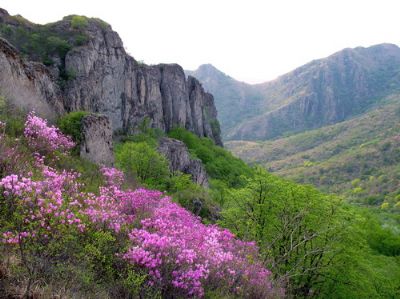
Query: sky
(251, 40)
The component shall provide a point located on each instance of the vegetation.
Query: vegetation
(57, 239)
(220, 164)
(47, 43)
(71, 124)
(79, 22)
(316, 243)
(358, 158)
(143, 162)
(108, 237)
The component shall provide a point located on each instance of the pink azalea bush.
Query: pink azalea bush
(42, 205)
(181, 255)
(44, 138)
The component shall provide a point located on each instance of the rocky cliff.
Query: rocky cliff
(81, 64)
(97, 142)
(179, 159)
(28, 84)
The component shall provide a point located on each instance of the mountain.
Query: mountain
(322, 92)
(80, 63)
(358, 158)
(234, 100)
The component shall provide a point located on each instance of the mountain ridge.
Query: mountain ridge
(321, 92)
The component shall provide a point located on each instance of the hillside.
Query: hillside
(72, 229)
(358, 158)
(322, 92)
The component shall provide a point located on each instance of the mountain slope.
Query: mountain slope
(322, 92)
(358, 158)
(234, 100)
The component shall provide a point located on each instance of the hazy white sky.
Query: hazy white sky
(250, 40)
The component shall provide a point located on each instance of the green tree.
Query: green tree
(144, 162)
(295, 227)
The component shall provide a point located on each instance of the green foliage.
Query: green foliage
(357, 158)
(317, 245)
(134, 282)
(58, 45)
(47, 43)
(71, 124)
(144, 162)
(79, 22)
(103, 24)
(13, 117)
(90, 172)
(81, 39)
(219, 163)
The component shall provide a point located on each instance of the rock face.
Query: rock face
(97, 143)
(95, 74)
(179, 160)
(27, 84)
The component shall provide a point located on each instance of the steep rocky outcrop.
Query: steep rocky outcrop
(322, 92)
(90, 70)
(27, 84)
(179, 159)
(97, 142)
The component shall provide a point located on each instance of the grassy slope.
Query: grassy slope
(359, 157)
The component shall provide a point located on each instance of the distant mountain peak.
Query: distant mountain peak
(208, 70)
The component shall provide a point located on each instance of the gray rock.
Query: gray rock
(103, 78)
(28, 85)
(97, 143)
(109, 81)
(179, 159)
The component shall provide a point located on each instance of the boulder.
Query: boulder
(179, 159)
(97, 143)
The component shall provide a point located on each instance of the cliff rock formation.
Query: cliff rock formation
(27, 84)
(179, 159)
(97, 143)
(88, 69)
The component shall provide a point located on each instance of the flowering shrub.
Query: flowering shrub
(41, 205)
(44, 138)
(180, 254)
(185, 255)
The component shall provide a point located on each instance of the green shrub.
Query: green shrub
(79, 22)
(219, 163)
(144, 162)
(58, 45)
(71, 124)
(13, 117)
(81, 39)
